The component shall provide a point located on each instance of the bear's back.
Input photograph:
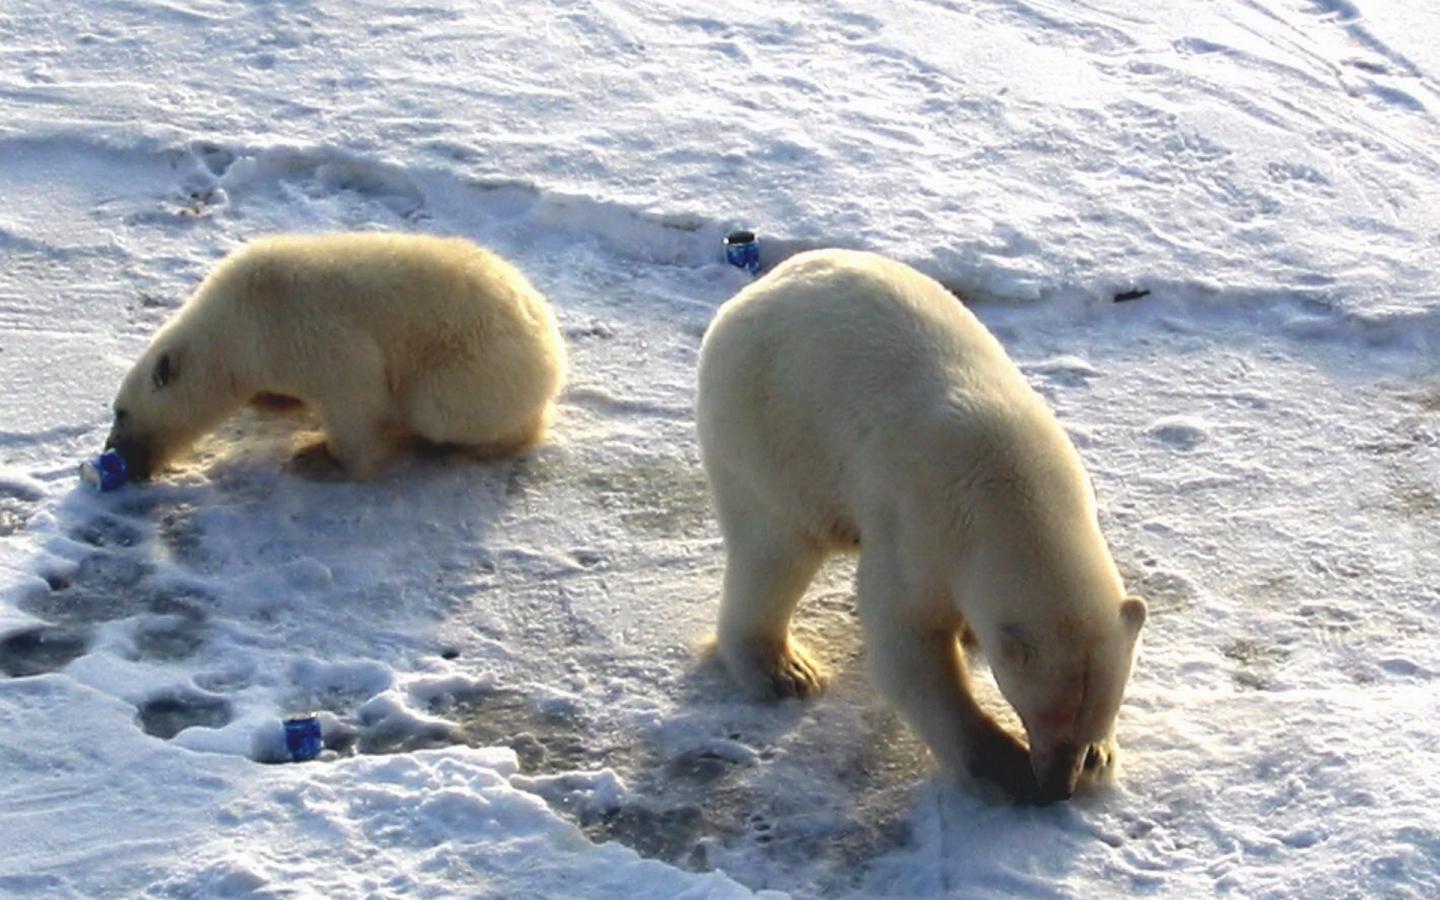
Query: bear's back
(841, 334)
(844, 375)
(376, 280)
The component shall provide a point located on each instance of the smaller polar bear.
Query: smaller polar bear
(388, 337)
(847, 400)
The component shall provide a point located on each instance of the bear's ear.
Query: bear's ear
(1017, 645)
(166, 368)
(1133, 612)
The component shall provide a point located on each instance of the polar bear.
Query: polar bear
(389, 337)
(848, 401)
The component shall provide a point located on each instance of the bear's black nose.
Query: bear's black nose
(138, 458)
(1058, 782)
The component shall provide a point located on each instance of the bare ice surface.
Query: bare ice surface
(508, 659)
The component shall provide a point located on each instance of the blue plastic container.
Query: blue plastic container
(742, 250)
(302, 737)
(106, 472)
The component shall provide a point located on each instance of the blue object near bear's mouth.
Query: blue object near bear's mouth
(106, 472)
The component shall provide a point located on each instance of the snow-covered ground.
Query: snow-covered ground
(1263, 429)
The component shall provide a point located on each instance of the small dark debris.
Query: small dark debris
(1135, 294)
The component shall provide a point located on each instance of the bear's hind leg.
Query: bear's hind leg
(767, 568)
(467, 406)
(919, 667)
(526, 436)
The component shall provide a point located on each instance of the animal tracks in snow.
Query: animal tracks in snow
(40, 649)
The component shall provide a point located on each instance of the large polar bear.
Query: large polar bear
(846, 399)
(389, 337)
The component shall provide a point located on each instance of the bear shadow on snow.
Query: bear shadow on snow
(160, 559)
(819, 787)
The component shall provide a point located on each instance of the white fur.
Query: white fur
(388, 336)
(847, 398)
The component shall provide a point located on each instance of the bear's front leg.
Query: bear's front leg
(314, 462)
(358, 447)
(917, 664)
(334, 457)
(766, 572)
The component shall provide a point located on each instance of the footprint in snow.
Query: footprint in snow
(41, 649)
(166, 715)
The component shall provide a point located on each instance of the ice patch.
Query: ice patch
(1267, 170)
(584, 795)
(1180, 432)
(357, 677)
(1065, 371)
(389, 725)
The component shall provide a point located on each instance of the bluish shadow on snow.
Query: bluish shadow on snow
(160, 589)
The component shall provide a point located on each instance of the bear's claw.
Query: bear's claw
(777, 673)
(1099, 761)
(793, 674)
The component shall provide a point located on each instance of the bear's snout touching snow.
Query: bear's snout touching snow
(388, 337)
(846, 397)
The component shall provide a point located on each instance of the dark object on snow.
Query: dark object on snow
(106, 472)
(1127, 296)
(742, 250)
(302, 737)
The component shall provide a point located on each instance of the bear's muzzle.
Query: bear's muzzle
(139, 459)
(1057, 771)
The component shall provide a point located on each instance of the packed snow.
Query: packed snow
(508, 658)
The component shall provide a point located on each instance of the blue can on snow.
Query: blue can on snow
(106, 472)
(742, 250)
(302, 737)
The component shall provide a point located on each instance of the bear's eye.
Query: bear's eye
(164, 372)
(1017, 645)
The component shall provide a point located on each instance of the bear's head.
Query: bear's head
(1065, 675)
(175, 392)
